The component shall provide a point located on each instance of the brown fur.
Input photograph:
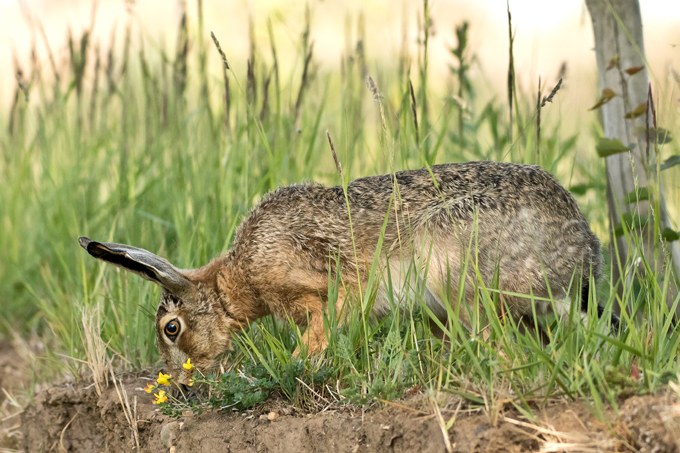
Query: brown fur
(518, 220)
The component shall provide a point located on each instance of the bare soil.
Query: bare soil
(74, 418)
(14, 375)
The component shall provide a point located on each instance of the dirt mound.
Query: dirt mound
(74, 418)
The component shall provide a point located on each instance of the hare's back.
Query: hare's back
(460, 188)
(435, 196)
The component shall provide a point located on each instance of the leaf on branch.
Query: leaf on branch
(639, 110)
(670, 162)
(606, 147)
(613, 62)
(632, 221)
(659, 135)
(580, 189)
(642, 194)
(670, 235)
(634, 70)
(662, 136)
(607, 95)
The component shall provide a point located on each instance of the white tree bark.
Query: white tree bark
(617, 28)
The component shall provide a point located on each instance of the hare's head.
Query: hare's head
(191, 322)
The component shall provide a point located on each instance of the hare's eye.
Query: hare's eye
(172, 328)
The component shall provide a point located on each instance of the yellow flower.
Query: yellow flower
(188, 365)
(190, 382)
(149, 387)
(160, 397)
(164, 379)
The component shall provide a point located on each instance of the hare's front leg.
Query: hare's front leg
(309, 313)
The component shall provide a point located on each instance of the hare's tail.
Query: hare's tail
(615, 320)
(585, 290)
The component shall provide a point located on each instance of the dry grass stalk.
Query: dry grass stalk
(303, 82)
(110, 65)
(78, 57)
(15, 110)
(415, 112)
(549, 98)
(442, 425)
(496, 399)
(538, 122)
(62, 449)
(313, 392)
(511, 72)
(225, 64)
(251, 85)
(338, 167)
(181, 54)
(671, 416)
(377, 97)
(221, 52)
(95, 85)
(126, 49)
(265, 95)
(552, 440)
(95, 347)
(675, 74)
(36, 67)
(251, 82)
(50, 55)
(129, 412)
(275, 68)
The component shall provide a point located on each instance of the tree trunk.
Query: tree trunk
(617, 28)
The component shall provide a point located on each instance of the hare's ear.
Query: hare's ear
(143, 263)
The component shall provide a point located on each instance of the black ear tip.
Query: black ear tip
(84, 242)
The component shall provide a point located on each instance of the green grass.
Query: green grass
(142, 154)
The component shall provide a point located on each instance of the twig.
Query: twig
(312, 390)
(10, 416)
(61, 436)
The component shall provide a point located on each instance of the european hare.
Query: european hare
(513, 221)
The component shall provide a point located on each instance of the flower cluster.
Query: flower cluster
(165, 379)
(160, 397)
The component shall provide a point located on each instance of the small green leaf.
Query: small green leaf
(670, 235)
(606, 147)
(642, 194)
(580, 189)
(670, 162)
(613, 62)
(638, 111)
(607, 95)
